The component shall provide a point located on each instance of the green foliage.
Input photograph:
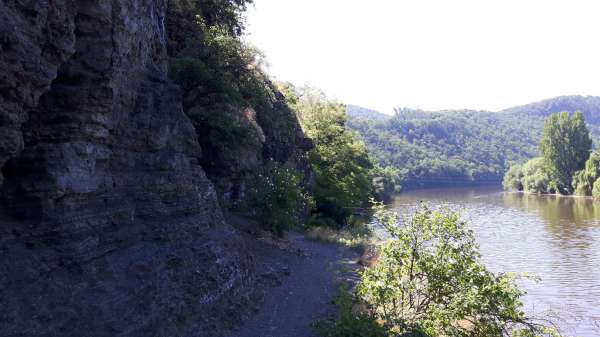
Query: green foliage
(513, 178)
(387, 181)
(565, 145)
(223, 69)
(583, 180)
(430, 281)
(350, 321)
(449, 147)
(189, 72)
(209, 60)
(278, 196)
(536, 177)
(220, 128)
(339, 159)
(596, 189)
(185, 15)
(225, 13)
(462, 146)
(588, 105)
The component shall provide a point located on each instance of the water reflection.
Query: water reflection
(556, 238)
(556, 209)
(567, 218)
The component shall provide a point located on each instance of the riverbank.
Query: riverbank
(423, 184)
(554, 238)
(584, 197)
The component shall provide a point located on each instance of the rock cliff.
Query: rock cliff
(109, 224)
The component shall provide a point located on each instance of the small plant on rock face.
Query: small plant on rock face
(279, 197)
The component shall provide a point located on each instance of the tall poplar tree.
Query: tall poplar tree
(565, 145)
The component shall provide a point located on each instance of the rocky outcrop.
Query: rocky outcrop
(242, 120)
(272, 134)
(34, 41)
(109, 224)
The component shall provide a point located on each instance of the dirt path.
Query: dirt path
(306, 295)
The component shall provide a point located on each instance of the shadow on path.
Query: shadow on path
(306, 295)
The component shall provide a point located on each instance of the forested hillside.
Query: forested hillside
(462, 146)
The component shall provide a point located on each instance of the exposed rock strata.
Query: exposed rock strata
(274, 136)
(109, 223)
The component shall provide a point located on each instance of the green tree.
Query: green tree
(209, 59)
(387, 181)
(430, 281)
(596, 189)
(537, 177)
(343, 180)
(565, 146)
(278, 196)
(583, 181)
(513, 179)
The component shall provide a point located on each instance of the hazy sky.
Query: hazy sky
(430, 54)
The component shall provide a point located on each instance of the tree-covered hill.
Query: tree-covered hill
(459, 147)
(588, 105)
(360, 112)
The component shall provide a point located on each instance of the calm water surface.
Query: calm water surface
(554, 238)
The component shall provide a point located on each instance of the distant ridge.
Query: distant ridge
(356, 111)
(588, 105)
(462, 146)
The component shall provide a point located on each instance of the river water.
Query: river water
(555, 238)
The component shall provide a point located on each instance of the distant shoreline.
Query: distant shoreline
(433, 184)
(553, 195)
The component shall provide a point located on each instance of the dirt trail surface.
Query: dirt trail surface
(306, 294)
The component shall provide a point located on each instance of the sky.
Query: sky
(432, 54)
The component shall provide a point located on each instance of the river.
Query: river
(554, 238)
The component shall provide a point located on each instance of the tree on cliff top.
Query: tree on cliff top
(566, 146)
(208, 58)
(339, 159)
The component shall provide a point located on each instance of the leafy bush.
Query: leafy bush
(513, 180)
(387, 181)
(237, 69)
(536, 177)
(278, 197)
(583, 181)
(224, 68)
(430, 281)
(358, 235)
(189, 72)
(220, 128)
(596, 189)
(351, 321)
(215, 68)
(347, 238)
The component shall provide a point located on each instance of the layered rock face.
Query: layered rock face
(109, 224)
(274, 135)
